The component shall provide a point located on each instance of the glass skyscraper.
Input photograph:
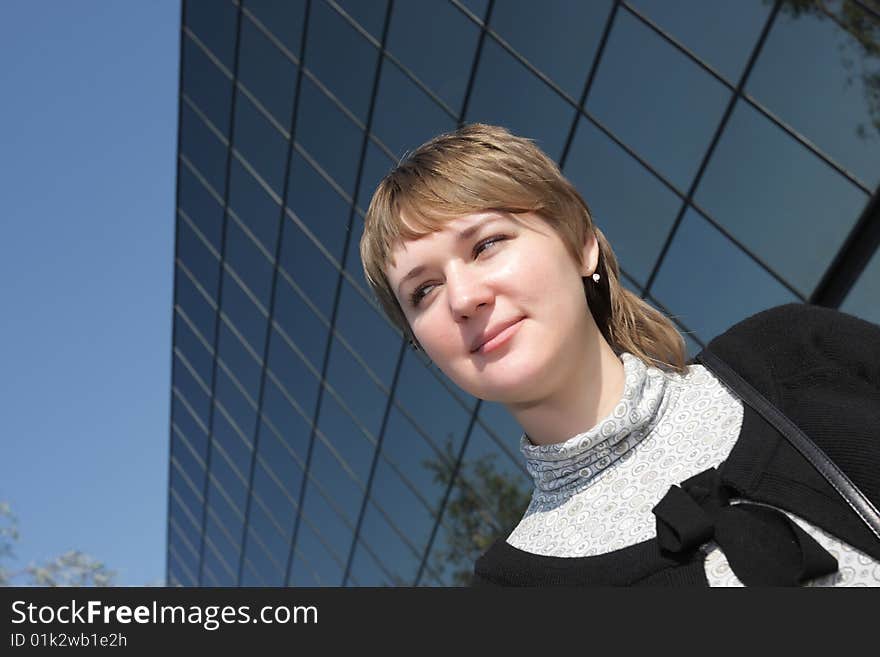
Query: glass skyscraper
(730, 151)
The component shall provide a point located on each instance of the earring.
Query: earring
(596, 278)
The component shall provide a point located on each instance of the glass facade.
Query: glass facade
(729, 151)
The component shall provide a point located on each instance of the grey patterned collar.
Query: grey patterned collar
(571, 465)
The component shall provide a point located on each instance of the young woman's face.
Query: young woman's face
(497, 302)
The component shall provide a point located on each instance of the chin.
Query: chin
(508, 380)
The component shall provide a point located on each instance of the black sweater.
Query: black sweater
(821, 368)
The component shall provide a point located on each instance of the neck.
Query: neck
(589, 392)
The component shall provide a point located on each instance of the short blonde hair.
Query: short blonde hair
(482, 167)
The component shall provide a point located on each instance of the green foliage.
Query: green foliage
(484, 504)
(864, 28)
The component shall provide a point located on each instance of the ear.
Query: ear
(590, 255)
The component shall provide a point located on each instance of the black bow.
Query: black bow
(763, 546)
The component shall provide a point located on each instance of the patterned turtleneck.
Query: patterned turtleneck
(595, 491)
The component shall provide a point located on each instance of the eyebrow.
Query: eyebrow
(463, 235)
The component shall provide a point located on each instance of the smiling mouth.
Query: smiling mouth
(501, 339)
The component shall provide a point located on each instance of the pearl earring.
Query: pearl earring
(596, 278)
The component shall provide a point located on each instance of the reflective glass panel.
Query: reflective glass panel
(214, 23)
(506, 93)
(435, 26)
(862, 298)
(300, 324)
(815, 55)
(197, 308)
(260, 143)
(573, 28)
(254, 206)
(323, 211)
(288, 370)
(709, 283)
(202, 147)
(720, 32)
(206, 85)
(205, 211)
(267, 73)
(630, 206)
(368, 333)
(780, 200)
(669, 107)
(283, 19)
(341, 58)
(405, 116)
(370, 14)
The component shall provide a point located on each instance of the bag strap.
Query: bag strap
(854, 497)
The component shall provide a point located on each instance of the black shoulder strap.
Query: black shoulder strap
(799, 440)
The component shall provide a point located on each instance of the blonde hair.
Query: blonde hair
(481, 167)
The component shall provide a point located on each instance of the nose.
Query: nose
(467, 292)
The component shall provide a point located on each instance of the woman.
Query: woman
(487, 257)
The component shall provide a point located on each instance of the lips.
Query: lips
(496, 335)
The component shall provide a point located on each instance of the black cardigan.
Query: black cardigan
(821, 368)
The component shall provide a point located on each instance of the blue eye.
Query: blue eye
(418, 294)
(487, 244)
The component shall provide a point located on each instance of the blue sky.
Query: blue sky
(88, 131)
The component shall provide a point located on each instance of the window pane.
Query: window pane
(239, 361)
(812, 52)
(368, 333)
(203, 148)
(214, 24)
(685, 102)
(341, 58)
(630, 206)
(289, 370)
(350, 381)
(267, 73)
(395, 556)
(424, 398)
(408, 513)
(249, 263)
(319, 207)
(862, 298)
(418, 457)
(435, 26)
(240, 409)
(405, 117)
(720, 32)
(286, 469)
(284, 19)
(254, 206)
(187, 426)
(193, 302)
(370, 14)
(196, 396)
(247, 318)
(573, 28)
(197, 257)
(365, 572)
(323, 569)
(284, 436)
(347, 439)
(300, 324)
(201, 207)
(780, 200)
(329, 137)
(260, 143)
(530, 107)
(206, 85)
(710, 304)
